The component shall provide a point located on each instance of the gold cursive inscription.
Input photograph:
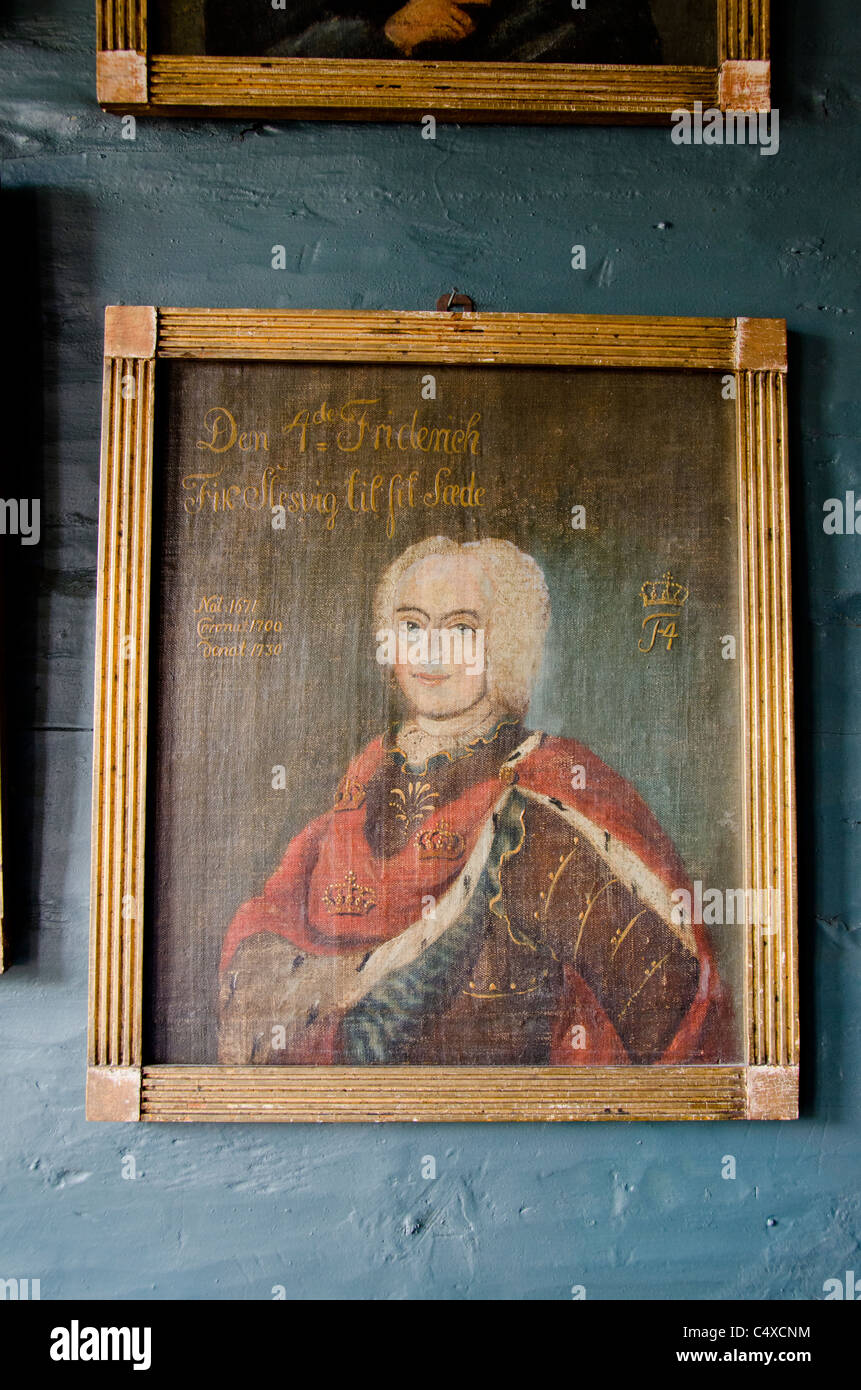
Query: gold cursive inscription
(352, 426)
(224, 433)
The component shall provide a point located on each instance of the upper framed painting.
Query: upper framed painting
(484, 60)
(443, 750)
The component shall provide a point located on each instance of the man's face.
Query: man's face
(441, 615)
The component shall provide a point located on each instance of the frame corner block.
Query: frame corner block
(744, 85)
(772, 1093)
(131, 330)
(114, 1093)
(760, 345)
(121, 77)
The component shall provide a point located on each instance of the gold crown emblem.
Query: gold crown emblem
(441, 842)
(664, 593)
(349, 898)
(350, 795)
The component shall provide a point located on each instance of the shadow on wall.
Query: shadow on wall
(22, 571)
(35, 581)
(817, 640)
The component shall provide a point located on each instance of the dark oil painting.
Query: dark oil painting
(681, 32)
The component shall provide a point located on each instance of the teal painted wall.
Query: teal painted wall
(374, 217)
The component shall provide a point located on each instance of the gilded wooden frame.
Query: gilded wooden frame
(131, 78)
(120, 1085)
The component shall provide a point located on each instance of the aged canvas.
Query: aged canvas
(446, 750)
(479, 31)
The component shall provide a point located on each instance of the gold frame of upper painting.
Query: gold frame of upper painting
(751, 353)
(132, 78)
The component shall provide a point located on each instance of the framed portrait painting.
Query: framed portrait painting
(485, 60)
(443, 756)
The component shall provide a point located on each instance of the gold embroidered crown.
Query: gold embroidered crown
(440, 842)
(350, 795)
(664, 593)
(349, 898)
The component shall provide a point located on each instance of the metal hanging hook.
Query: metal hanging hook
(454, 302)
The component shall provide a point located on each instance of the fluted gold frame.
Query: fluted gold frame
(121, 1086)
(130, 78)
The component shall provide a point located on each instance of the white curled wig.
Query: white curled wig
(519, 617)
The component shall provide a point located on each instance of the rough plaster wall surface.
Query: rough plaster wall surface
(373, 216)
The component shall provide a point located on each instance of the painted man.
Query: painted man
(478, 893)
(478, 31)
